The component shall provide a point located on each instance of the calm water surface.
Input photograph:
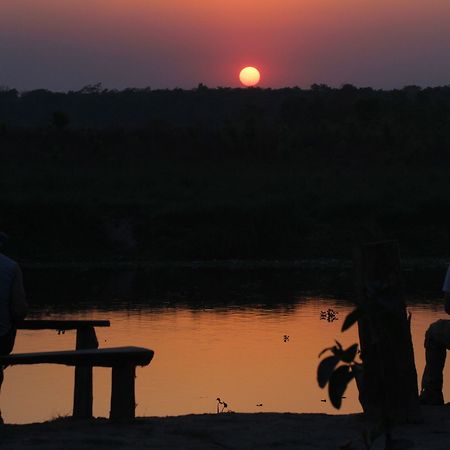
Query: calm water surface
(233, 350)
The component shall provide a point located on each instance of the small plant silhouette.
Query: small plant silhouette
(335, 374)
(221, 406)
(337, 370)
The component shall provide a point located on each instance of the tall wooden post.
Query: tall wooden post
(389, 384)
(83, 396)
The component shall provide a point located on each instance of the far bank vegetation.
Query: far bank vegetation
(224, 173)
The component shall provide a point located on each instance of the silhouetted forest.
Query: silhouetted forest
(145, 174)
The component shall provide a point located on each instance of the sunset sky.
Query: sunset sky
(67, 44)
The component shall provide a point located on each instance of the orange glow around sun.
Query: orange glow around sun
(249, 76)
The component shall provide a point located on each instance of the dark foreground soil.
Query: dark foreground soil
(227, 431)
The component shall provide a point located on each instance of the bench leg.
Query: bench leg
(123, 402)
(82, 396)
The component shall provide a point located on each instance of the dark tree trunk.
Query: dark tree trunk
(389, 390)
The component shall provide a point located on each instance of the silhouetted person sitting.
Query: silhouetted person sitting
(437, 342)
(13, 305)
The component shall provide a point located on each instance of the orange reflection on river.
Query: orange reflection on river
(240, 354)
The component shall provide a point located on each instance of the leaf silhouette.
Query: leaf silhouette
(338, 383)
(327, 349)
(349, 355)
(325, 370)
(351, 319)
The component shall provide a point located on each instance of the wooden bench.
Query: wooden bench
(122, 360)
(85, 339)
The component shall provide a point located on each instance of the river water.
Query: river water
(250, 338)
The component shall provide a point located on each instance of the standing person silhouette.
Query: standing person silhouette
(13, 305)
(437, 342)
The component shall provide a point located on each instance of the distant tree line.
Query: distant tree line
(224, 173)
(411, 120)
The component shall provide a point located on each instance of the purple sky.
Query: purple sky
(67, 44)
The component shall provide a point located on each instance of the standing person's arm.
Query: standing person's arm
(19, 304)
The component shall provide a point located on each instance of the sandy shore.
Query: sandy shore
(225, 431)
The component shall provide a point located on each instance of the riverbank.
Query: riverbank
(225, 431)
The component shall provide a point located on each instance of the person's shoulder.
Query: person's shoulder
(6, 260)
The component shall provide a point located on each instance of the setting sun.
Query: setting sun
(249, 76)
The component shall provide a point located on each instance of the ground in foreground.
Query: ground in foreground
(225, 431)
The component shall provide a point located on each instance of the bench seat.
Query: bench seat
(104, 357)
(122, 360)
